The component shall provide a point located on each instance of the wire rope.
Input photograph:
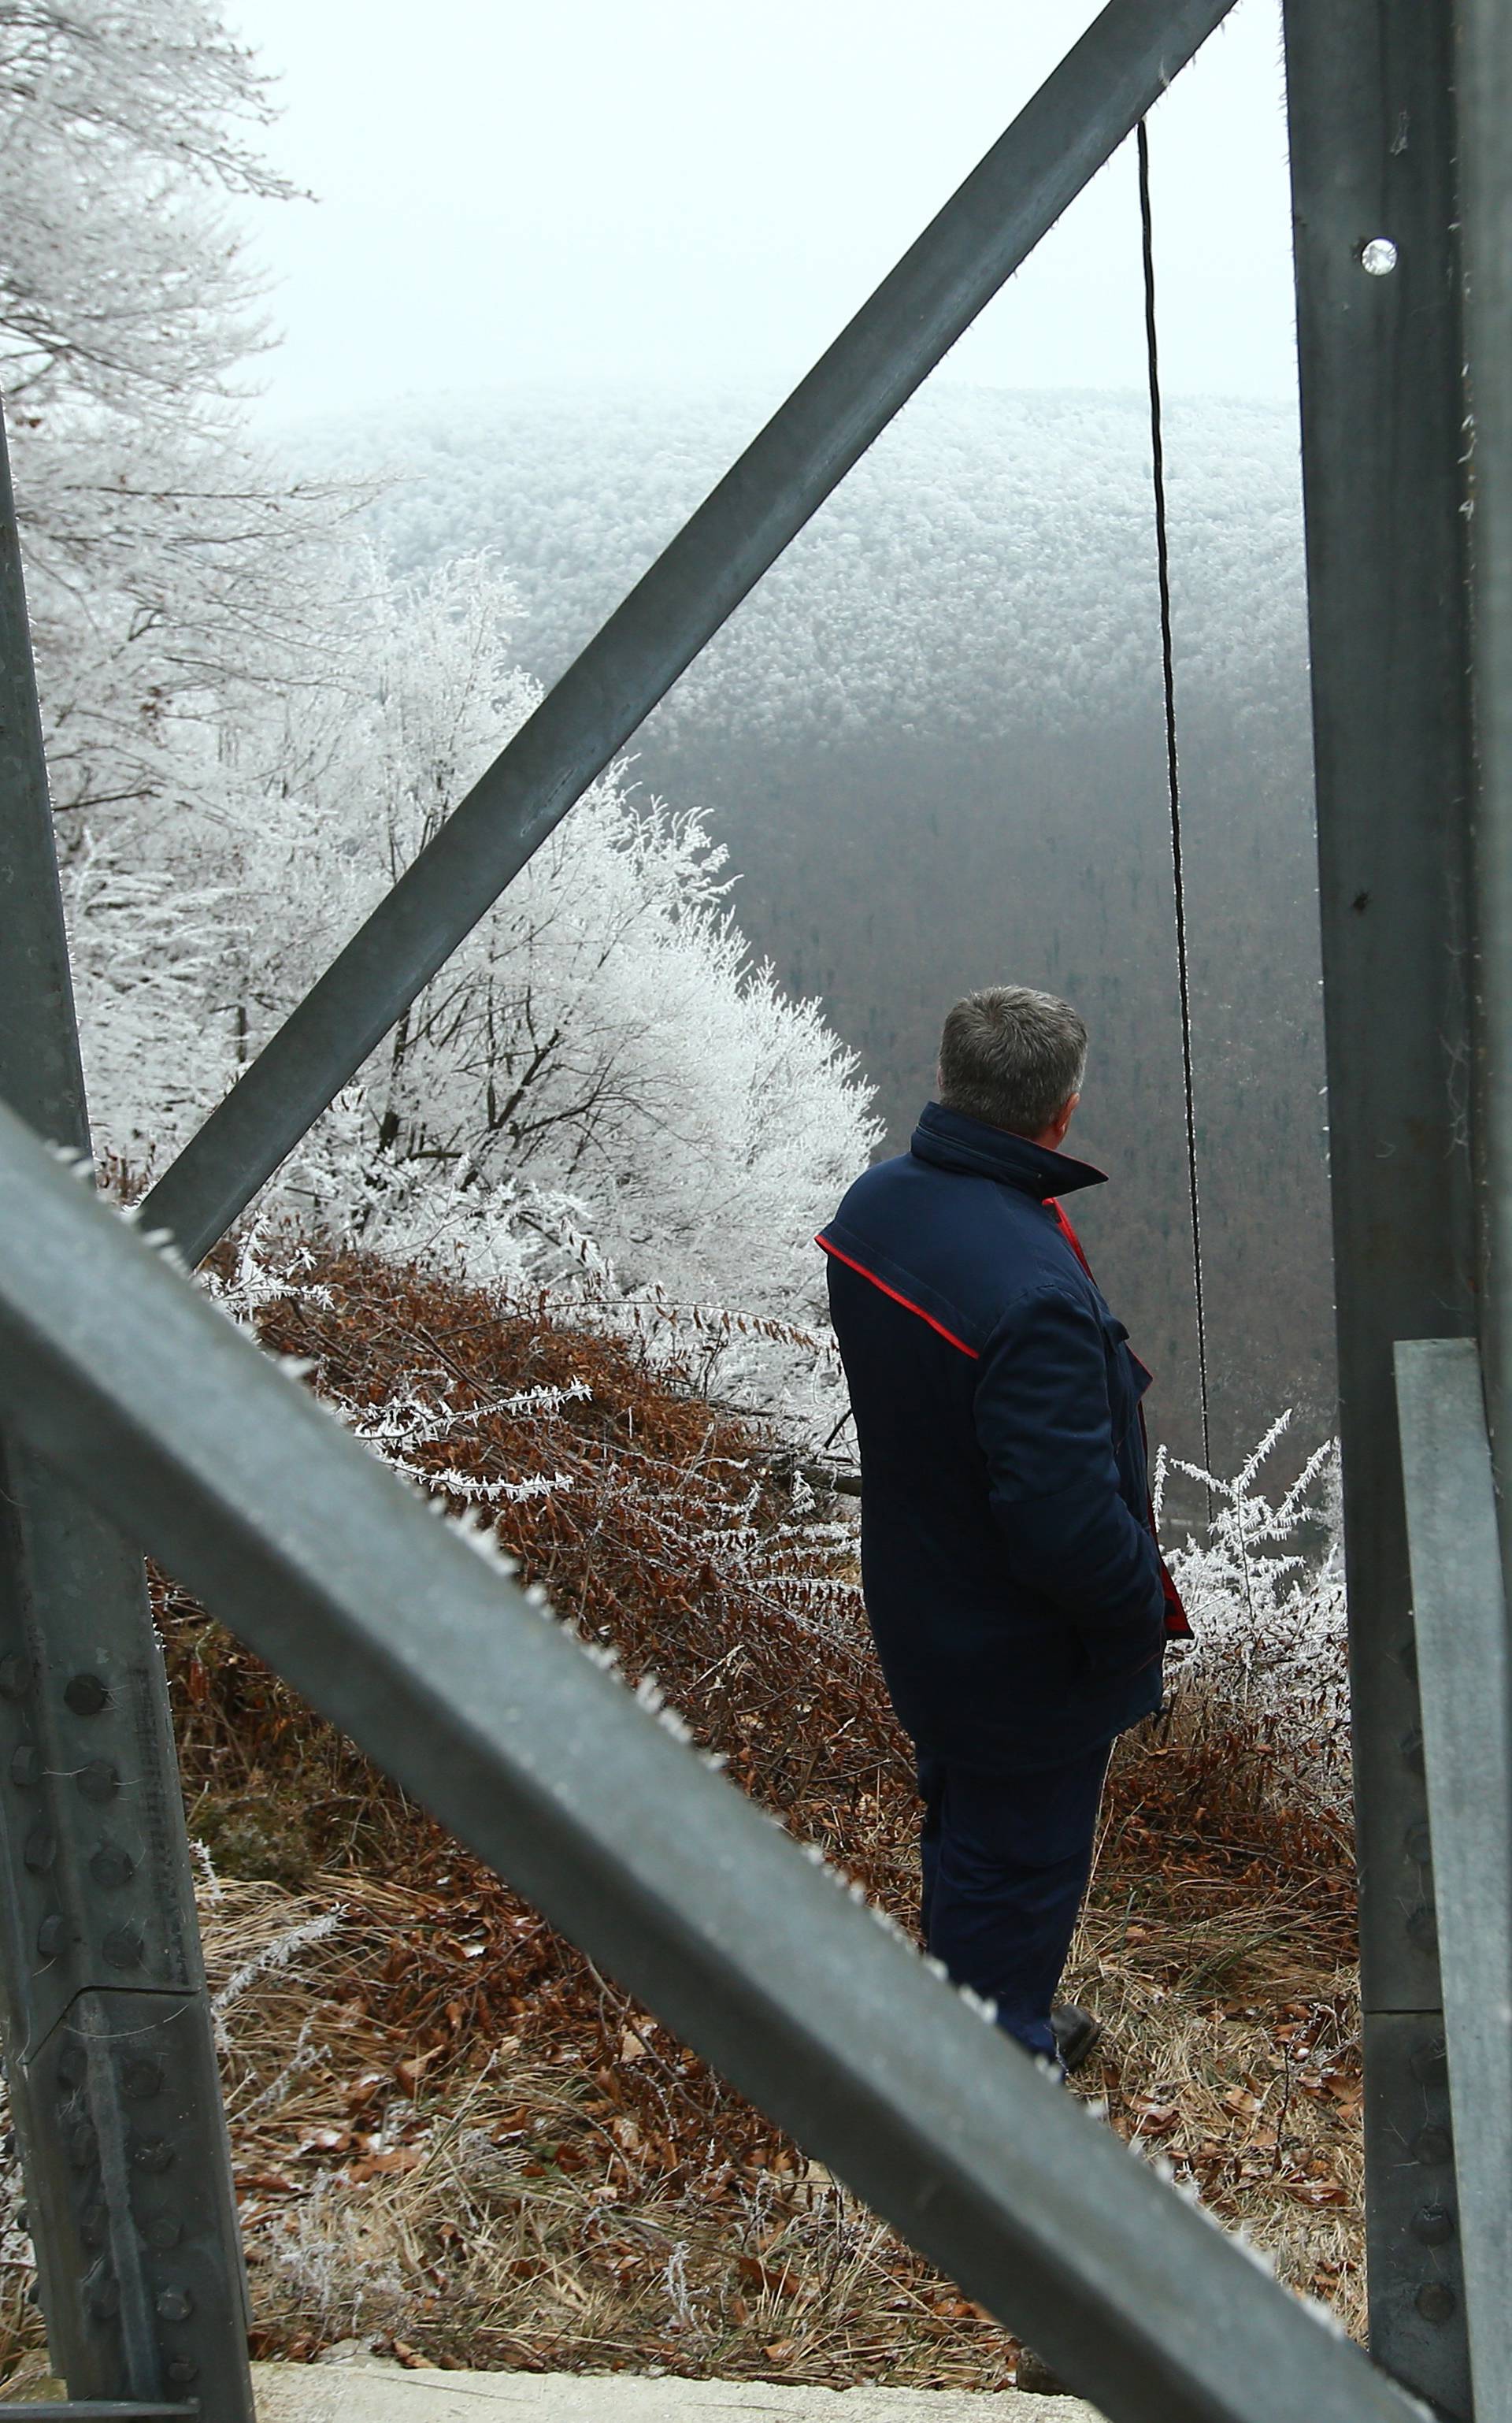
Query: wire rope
(1163, 551)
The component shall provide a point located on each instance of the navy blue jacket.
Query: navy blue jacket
(1012, 1580)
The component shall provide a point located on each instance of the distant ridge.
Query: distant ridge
(990, 563)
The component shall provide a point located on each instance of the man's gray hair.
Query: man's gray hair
(1012, 1057)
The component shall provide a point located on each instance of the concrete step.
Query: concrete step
(367, 2389)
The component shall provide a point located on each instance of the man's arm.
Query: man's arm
(1044, 1426)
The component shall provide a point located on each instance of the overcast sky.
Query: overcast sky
(670, 192)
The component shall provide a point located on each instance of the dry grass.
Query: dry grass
(451, 2134)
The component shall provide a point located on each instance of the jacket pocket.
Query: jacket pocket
(1117, 1657)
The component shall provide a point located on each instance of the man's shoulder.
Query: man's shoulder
(950, 1239)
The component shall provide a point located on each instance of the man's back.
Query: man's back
(1011, 1581)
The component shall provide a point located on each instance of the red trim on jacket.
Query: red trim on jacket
(949, 1335)
(1177, 1622)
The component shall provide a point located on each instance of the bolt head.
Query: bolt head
(84, 2146)
(73, 2068)
(98, 1781)
(41, 1849)
(15, 1676)
(53, 1935)
(105, 2297)
(164, 2230)
(1423, 1926)
(1433, 2145)
(152, 2154)
(124, 1948)
(181, 2369)
(1433, 2224)
(1436, 2300)
(1419, 1844)
(26, 1765)
(141, 2076)
(86, 1694)
(1429, 2062)
(112, 1866)
(175, 2304)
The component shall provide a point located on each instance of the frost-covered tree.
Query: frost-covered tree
(165, 559)
(598, 1072)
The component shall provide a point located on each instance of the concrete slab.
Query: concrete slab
(372, 2391)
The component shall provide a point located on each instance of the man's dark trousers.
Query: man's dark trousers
(1006, 1860)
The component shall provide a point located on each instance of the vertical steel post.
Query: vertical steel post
(1486, 179)
(1460, 1609)
(103, 2012)
(1370, 102)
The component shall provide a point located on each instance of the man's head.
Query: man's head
(1014, 1058)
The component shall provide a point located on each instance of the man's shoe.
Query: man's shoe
(1077, 2034)
(1034, 2375)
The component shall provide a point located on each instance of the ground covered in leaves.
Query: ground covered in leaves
(454, 2136)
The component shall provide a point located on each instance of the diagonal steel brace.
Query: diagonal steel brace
(496, 1719)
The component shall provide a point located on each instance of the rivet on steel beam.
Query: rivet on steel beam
(111, 1866)
(84, 2146)
(183, 2368)
(1429, 2062)
(175, 2304)
(1419, 1843)
(152, 2154)
(124, 1948)
(1434, 2224)
(53, 1935)
(1411, 1746)
(86, 1695)
(163, 2230)
(26, 1765)
(105, 2296)
(1436, 2300)
(1423, 1926)
(41, 1848)
(15, 1676)
(98, 1781)
(141, 2076)
(1433, 2145)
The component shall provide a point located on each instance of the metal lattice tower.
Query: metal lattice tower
(135, 1420)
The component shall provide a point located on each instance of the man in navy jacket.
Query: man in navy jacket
(1012, 1577)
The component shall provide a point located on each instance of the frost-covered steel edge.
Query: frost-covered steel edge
(402, 1631)
(103, 2011)
(1059, 141)
(1371, 106)
(1465, 1677)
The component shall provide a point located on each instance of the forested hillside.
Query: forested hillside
(933, 743)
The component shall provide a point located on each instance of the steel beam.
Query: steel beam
(1370, 102)
(103, 2004)
(509, 1731)
(985, 232)
(1484, 112)
(1464, 1657)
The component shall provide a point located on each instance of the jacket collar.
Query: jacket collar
(951, 1140)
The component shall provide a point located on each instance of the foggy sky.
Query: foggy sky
(670, 194)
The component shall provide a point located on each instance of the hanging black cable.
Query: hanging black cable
(1162, 552)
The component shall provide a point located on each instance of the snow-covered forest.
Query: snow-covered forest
(928, 753)
(932, 742)
(254, 717)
